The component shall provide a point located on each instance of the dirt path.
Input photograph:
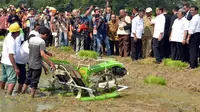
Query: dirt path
(181, 94)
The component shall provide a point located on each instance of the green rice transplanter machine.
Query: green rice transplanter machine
(89, 80)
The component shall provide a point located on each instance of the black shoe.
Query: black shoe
(134, 59)
(190, 68)
(158, 62)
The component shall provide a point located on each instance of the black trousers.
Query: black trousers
(177, 51)
(165, 49)
(157, 49)
(186, 56)
(87, 43)
(3, 32)
(22, 76)
(194, 49)
(33, 77)
(136, 49)
(114, 47)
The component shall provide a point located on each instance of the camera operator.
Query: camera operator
(100, 32)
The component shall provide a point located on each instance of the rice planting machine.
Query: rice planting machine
(89, 80)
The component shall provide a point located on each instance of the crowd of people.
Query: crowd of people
(139, 35)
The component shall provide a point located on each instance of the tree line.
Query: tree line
(116, 5)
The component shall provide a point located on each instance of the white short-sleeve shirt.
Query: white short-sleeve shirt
(9, 47)
(178, 29)
(194, 24)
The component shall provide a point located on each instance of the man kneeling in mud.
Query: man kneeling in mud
(37, 52)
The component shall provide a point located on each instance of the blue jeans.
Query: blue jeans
(63, 39)
(94, 43)
(100, 39)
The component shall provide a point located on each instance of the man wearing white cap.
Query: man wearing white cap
(148, 33)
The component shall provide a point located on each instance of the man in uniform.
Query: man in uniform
(148, 33)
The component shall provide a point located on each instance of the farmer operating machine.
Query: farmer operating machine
(89, 80)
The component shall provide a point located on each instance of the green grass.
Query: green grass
(174, 63)
(2, 38)
(88, 54)
(66, 48)
(155, 80)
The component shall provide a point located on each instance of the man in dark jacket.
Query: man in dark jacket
(188, 15)
(166, 44)
(174, 17)
(12, 18)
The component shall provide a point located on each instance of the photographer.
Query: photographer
(81, 32)
(100, 32)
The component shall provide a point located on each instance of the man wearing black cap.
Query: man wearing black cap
(37, 52)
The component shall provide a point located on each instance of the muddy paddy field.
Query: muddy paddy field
(181, 93)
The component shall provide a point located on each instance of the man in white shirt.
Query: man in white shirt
(35, 30)
(194, 37)
(179, 35)
(10, 70)
(137, 32)
(123, 33)
(159, 27)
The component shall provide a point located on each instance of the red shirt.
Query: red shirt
(3, 23)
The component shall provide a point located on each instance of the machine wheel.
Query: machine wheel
(67, 74)
(105, 78)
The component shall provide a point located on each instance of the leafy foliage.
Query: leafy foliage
(116, 4)
(155, 80)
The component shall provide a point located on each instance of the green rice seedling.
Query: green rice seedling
(155, 80)
(174, 63)
(87, 54)
(59, 61)
(65, 48)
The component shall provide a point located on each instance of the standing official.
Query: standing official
(174, 17)
(178, 36)
(188, 14)
(194, 37)
(148, 33)
(158, 35)
(123, 33)
(137, 32)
